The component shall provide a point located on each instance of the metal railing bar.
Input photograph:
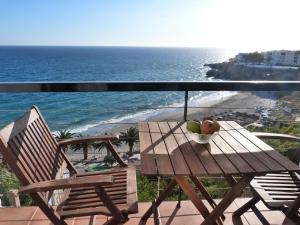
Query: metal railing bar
(131, 110)
(136, 122)
(129, 86)
(186, 99)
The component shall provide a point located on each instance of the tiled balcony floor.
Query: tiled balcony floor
(186, 215)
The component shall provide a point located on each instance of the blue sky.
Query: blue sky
(239, 24)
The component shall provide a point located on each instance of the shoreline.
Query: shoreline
(244, 102)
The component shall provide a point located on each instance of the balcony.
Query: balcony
(167, 212)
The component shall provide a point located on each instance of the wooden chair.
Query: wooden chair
(38, 161)
(278, 191)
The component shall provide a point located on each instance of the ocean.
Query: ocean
(90, 112)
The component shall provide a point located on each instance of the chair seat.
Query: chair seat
(277, 189)
(85, 201)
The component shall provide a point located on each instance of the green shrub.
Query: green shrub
(9, 181)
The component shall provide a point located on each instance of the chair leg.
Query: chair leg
(293, 210)
(251, 204)
(246, 207)
(118, 216)
(179, 198)
(92, 220)
(260, 216)
(113, 221)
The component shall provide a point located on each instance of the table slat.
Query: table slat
(183, 127)
(143, 127)
(253, 161)
(163, 161)
(147, 155)
(175, 127)
(164, 127)
(167, 149)
(178, 161)
(238, 161)
(275, 155)
(153, 127)
(191, 158)
(266, 159)
(207, 160)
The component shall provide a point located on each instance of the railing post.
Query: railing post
(186, 98)
(13, 198)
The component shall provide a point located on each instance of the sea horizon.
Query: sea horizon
(83, 111)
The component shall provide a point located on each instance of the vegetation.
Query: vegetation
(148, 187)
(130, 137)
(101, 145)
(285, 114)
(8, 182)
(287, 148)
(254, 57)
(64, 135)
(84, 146)
(109, 159)
(67, 134)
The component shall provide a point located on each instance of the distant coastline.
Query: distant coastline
(272, 65)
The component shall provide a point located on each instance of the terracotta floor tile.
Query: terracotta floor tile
(39, 218)
(186, 215)
(232, 207)
(85, 220)
(277, 217)
(16, 216)
(137, 221)
(241, 201)
(230, 220)
(182, 220)
(143, 207)
(273, 217)
(197, 219)
(39, 215)
(168, 208)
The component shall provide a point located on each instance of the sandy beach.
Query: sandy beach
(244, 102)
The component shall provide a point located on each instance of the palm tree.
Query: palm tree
(84, 146)
(101, 145)
(130, 137)
(87, 145)
(63, 135)
(110, 160)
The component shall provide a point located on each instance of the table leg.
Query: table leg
(190, 192)
(228, 199)
(230, 180)
(205, 193)
(159, 200)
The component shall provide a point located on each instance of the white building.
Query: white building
(282, 57)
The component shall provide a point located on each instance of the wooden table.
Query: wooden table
(168, 150)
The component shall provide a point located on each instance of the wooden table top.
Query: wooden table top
(168, 150)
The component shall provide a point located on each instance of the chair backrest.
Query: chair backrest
(31, 151)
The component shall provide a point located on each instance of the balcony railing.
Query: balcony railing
(146, 86)
(150, 86)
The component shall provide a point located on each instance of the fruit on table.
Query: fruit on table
(209, 127)
(193, 126)
(216, 126)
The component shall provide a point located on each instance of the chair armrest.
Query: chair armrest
(87, 139)
(72, 182)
